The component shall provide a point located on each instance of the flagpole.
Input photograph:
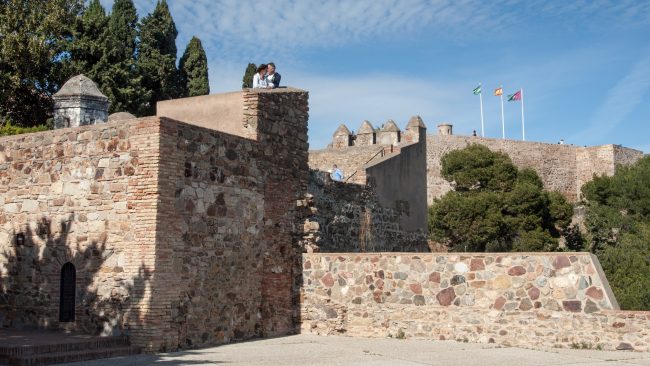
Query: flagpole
(480, 97)
(503, 123)
(523, 127)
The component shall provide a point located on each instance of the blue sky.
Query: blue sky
(584, 65)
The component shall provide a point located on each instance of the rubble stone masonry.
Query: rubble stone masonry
(180, 235)
(513, 299)
(87, 196)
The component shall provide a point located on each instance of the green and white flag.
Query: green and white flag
(477, 90)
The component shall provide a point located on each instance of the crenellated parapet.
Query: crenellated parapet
(388, 134)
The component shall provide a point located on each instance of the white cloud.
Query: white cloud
(620, 101)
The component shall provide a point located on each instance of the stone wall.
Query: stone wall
(400, 183)
(515, 299)
(75, 111)
(221, 112)
(562, 168)
(181, 235)
(351, 160)
(86, 196)
(344, 217)
(380, 206)
(555, 164)
(227, 253)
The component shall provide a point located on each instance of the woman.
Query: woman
(259, 79)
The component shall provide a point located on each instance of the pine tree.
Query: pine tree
(122, 83)
(193, 70)
(247, 81)
(157, 55)
(88, 52)
(34, 38)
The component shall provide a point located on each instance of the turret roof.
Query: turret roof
(80, 85)
(366, 127)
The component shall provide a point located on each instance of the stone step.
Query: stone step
(72, 356)
(63, 346)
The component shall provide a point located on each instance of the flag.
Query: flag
(498, 91)
(514, 97)
(477, 90)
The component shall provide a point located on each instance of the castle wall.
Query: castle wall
(562, 168)
(221, 112)
(86, 196)
(180, 235)
(400, 183)
(351, 160)
(350, 218)
(555, 164)
(512, 299)
(227, 255)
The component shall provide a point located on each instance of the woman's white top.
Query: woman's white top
(259, 83)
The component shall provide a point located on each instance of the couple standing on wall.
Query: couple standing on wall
(266, 77)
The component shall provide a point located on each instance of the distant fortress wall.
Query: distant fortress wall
(562, 168)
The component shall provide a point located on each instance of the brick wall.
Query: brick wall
(87, 196)
(181, 235)
(516, 299)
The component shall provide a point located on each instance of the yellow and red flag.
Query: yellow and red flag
(498, 91)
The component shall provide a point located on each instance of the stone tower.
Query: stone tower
(79, 103)
(342, 137)
(365, 135)
(445, 129)
(415, 131)
(389, 133)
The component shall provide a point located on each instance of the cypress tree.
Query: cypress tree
(157, 55)
(122, 83)
(247, 81)
(88, 52)
(34, 39)
(193, 70)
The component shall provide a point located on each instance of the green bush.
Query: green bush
(617, 223)
(495, 206)
(7, 129)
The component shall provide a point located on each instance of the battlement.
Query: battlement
(388, 134)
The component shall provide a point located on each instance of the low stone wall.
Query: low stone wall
(517, 299)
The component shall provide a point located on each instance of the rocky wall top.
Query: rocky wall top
(344, 217)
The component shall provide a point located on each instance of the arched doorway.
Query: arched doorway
(67, 295)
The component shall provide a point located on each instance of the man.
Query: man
(336, 174)
(272, 77)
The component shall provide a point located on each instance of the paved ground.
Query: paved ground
(314, 350)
